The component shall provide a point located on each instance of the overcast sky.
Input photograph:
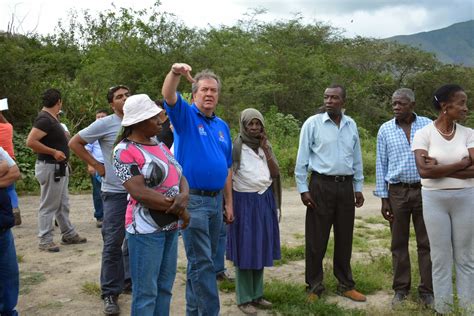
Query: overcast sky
(371, 18)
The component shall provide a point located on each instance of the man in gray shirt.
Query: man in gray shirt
(114, 270)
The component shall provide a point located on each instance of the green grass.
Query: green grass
(28, 279)
(182, 269)
(290, 254)
(226, 286)
(298, 236)
(372, 272)
(91, 288)
(51, 305)
(290, 299)
(20, 258)
(375, 220)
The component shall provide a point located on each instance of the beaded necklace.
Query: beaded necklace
(446, 134)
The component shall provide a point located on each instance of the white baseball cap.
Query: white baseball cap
(138, 108)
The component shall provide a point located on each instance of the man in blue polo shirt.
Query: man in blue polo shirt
(204, 151)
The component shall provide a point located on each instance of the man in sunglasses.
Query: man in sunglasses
(114, 269)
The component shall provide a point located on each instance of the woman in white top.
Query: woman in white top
(254, 237)
(444, 152)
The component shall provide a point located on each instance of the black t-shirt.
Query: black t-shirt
(166, 135)
(55, 136)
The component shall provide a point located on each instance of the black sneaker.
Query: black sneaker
(111, 306)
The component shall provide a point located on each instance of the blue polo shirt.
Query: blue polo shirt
(204, 146)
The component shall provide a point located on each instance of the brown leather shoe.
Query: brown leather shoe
(50, 247)
(354, 295)
(76, 239)
(312, 297)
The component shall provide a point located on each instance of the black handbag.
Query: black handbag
(161, 218)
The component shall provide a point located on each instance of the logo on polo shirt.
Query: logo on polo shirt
(202, 131)
(221, 137)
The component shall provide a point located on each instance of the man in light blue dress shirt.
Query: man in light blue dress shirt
(398, 186)
(329, 149)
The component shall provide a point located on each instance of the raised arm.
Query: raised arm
(170, 85)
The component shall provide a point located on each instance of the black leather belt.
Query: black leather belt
(203, 192)
(53, 162)
(415, 185)
(333, 178)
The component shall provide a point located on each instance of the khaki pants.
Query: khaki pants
(54, 203)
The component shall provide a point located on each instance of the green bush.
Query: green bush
(283, 132)
(26, 158)
(368, 146)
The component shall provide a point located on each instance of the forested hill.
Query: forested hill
(452, 45)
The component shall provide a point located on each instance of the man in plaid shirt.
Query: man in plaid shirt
(398, 185)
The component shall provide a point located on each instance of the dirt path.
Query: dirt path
(53, 282)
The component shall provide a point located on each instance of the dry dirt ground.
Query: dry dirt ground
(53, 283)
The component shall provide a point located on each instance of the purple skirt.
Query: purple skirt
(253, 239)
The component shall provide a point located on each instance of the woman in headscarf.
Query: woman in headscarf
(254, 236)
(158, 197)
(444, 153)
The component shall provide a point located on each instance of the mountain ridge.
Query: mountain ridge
(451, 45)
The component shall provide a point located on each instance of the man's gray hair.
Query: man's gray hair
(205, 74)
(405, 93)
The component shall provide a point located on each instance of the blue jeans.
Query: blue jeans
(153, 260)
(96, 198)
(12, 194)
(219, 258)
(200, 241)
(9, 275)
(112, 272)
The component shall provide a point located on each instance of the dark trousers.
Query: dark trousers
(97, 198)
(114, 258)
(335, 206)
(406, 203)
